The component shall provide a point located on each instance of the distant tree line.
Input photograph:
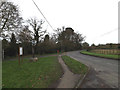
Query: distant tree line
(105, 46)
(66, 40)
(15, 32)
(87, 47)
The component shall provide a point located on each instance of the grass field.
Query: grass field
(40, 74)
(75, 66)
(100, 55)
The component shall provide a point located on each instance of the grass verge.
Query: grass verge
(29, 56)
(75, 66)
(40, 74)
(100, 55)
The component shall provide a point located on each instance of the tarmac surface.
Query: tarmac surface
(103, 73)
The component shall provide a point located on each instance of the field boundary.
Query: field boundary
(100, 56)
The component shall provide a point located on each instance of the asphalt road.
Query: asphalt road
(103, 73)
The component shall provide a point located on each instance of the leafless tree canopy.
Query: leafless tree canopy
(37, 28)
(10, 19)
(25, 34)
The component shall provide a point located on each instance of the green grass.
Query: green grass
(100, 55)
(40, 74)
(29, 56)
(75, 66)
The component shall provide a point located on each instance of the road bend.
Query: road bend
(103, 73)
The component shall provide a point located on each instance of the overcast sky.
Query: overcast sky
(95, 19)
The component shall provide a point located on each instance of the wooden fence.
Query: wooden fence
(107, 51)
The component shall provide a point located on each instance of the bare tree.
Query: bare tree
(25, 35)
(37, 28)
(10, 19)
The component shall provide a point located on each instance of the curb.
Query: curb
(83, 78)
(100, 56)
(80, 81)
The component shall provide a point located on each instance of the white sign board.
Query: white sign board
(21, 51)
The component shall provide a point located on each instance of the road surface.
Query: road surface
(103, 73)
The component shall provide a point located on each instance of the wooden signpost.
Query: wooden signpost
(20, 53)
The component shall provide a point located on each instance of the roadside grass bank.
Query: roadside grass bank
(40, 74)
(100, 55)
(75, 66)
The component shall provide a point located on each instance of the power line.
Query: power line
(42, 14)
(104, 34)
(108, 32)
